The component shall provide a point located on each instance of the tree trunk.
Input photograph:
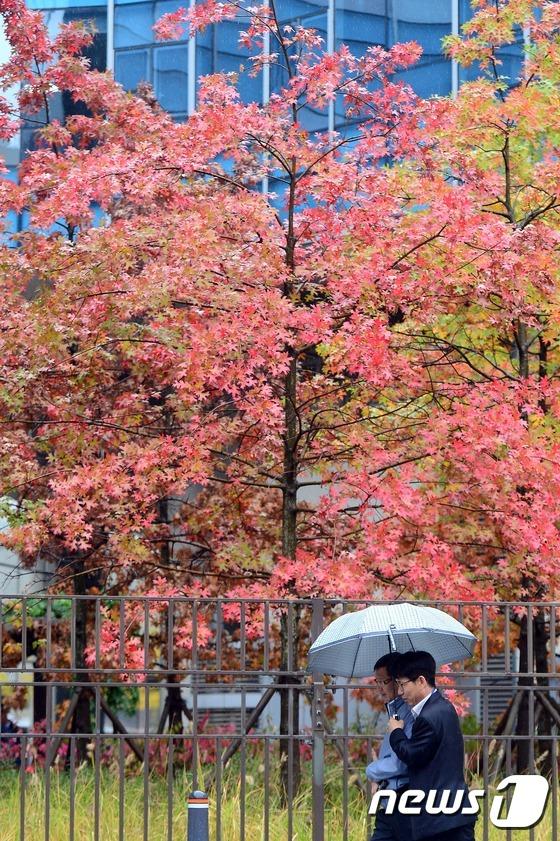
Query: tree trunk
(542, 665)
(522, 728)
(82, 722)
(289, 698)
(290, 765)
(175, 709)
(526, 658)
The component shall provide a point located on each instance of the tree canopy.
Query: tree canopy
(284, 363)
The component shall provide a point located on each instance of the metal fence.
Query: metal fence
(114, 709)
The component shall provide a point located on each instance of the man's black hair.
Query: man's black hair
(389, 662)
(413, 664)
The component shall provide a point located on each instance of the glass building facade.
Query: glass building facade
(126, 44)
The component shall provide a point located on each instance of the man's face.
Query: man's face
(385, 685)
(412, 691)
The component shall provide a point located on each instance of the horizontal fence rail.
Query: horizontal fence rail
(114, 709)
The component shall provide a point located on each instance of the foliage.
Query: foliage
(344, 387)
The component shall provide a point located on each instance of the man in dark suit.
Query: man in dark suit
(434, 752)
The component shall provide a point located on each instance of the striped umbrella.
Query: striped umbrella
(351, 645)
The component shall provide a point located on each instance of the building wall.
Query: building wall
(126, 31)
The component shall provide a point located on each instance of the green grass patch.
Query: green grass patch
(107, 798)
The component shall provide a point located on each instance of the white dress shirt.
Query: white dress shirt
(417, 708)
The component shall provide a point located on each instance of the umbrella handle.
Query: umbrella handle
(391, 637)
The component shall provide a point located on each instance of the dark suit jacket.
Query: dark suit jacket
(435, 756)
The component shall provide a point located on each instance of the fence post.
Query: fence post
(318, 758)
(197, 817)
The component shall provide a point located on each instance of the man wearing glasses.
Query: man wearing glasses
(433, 751)
(388, 771)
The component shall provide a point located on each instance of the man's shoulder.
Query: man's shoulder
(437, 706)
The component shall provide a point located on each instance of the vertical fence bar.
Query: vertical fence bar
(219, 633)
(485, 717)
(194, 679)
(72, 786)
(22, 782)
(48, 724)
(290, 667)
(552, 639)
(553, 727)
(242, 638)
(146, 812)
(122, 632)
(48, 619)
(507, 642)
(290, 762)
(218, 788)
(243, 752)
(23, 633)
(170, 742)
(170, 785)
(318, 755)
(369, 755)
(531, 680)
(345, 768)
(97, 764)
(531, 699)
(97, 737)
(266, 808)
(554, 781)
(25, 744)
(266, 631)
(243, 766)
(122, 635)
(73, 634)
(121, 789)
(508, 773)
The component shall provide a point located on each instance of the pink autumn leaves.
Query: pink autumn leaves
(387, 284)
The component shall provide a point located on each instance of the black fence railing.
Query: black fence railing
(115, 709)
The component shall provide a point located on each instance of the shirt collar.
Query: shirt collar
(417, 708)
(395, 704)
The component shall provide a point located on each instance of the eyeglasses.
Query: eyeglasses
(401, 683)
(383, 681)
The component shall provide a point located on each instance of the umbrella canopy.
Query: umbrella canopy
(351, 645)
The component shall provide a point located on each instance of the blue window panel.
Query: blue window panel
(511, 56)
(165, 7)
(46, 5)
(133, 25)
(368, 22)
(360, 25)
(304, 13)
(218, 51)
(297, 10)
(205, 52)
(430, 77)
(364, 23)
(311, 118)
(131, 67)
(427, 24)
(170, 77)
(12, 220)
(280, 190)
